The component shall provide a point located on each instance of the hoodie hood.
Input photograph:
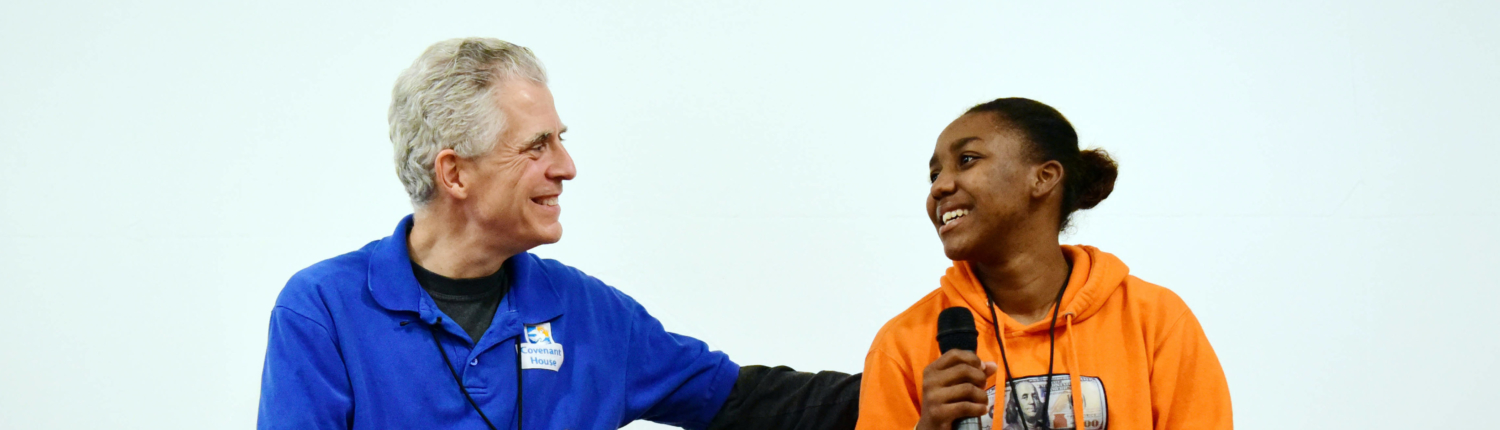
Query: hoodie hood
(1096, 276)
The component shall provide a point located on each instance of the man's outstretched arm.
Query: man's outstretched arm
(782, 398)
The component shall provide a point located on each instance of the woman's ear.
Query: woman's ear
(449, 177)
(1046, 178)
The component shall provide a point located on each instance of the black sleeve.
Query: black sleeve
(783, 398)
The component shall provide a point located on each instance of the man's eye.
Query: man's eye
(966, 159)
(932, 177)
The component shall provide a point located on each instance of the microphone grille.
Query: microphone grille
(956, 329)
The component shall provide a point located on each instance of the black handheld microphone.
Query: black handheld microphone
(956, 331)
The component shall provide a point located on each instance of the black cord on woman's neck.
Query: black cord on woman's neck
(449, 364)
(518, 381)
(1005, 361)
(1051, 349)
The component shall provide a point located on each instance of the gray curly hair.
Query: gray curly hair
(446, 100)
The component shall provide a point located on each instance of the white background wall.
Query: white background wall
(1316, 180)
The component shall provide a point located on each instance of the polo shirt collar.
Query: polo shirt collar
(532, 295)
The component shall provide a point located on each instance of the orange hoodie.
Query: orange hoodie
(1136, 350)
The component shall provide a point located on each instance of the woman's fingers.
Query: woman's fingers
(953, 388)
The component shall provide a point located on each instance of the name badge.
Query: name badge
(540, 350)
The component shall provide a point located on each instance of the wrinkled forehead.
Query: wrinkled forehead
(1026, 387)
(518, 96)
(528, 109)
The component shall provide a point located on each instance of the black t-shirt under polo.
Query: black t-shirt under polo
(469, 302)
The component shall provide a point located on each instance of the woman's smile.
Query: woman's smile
(951, 219)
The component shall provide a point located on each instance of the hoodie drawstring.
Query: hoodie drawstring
(1075, 382)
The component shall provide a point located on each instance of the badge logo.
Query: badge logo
(539, 334)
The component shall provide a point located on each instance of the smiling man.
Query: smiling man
(450, 323)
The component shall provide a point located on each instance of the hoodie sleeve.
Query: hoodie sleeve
(304, 384)
(889, 399)
(1188, 390)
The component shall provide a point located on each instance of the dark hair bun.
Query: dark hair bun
(1097, 179)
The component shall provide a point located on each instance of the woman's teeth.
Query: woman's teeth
(954, 214)
(550, 201)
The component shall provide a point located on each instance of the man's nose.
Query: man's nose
(562, 168)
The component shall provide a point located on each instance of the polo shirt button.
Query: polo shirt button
(474, 362)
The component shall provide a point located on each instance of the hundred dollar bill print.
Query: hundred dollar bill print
(1023, 410)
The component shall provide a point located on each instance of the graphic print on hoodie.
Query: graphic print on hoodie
(1023, 410)
(1135, 348)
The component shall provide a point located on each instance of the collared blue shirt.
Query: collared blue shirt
(351, 347)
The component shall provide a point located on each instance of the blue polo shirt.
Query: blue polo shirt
(351, 346)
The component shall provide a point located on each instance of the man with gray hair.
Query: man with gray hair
(451, 323)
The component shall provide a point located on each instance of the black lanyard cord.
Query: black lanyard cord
(518, 381)
(1051, 349)
(449, 364)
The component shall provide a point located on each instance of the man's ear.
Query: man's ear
(450, 178)
(1046, 178)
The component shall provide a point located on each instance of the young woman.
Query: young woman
(1067, 337)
